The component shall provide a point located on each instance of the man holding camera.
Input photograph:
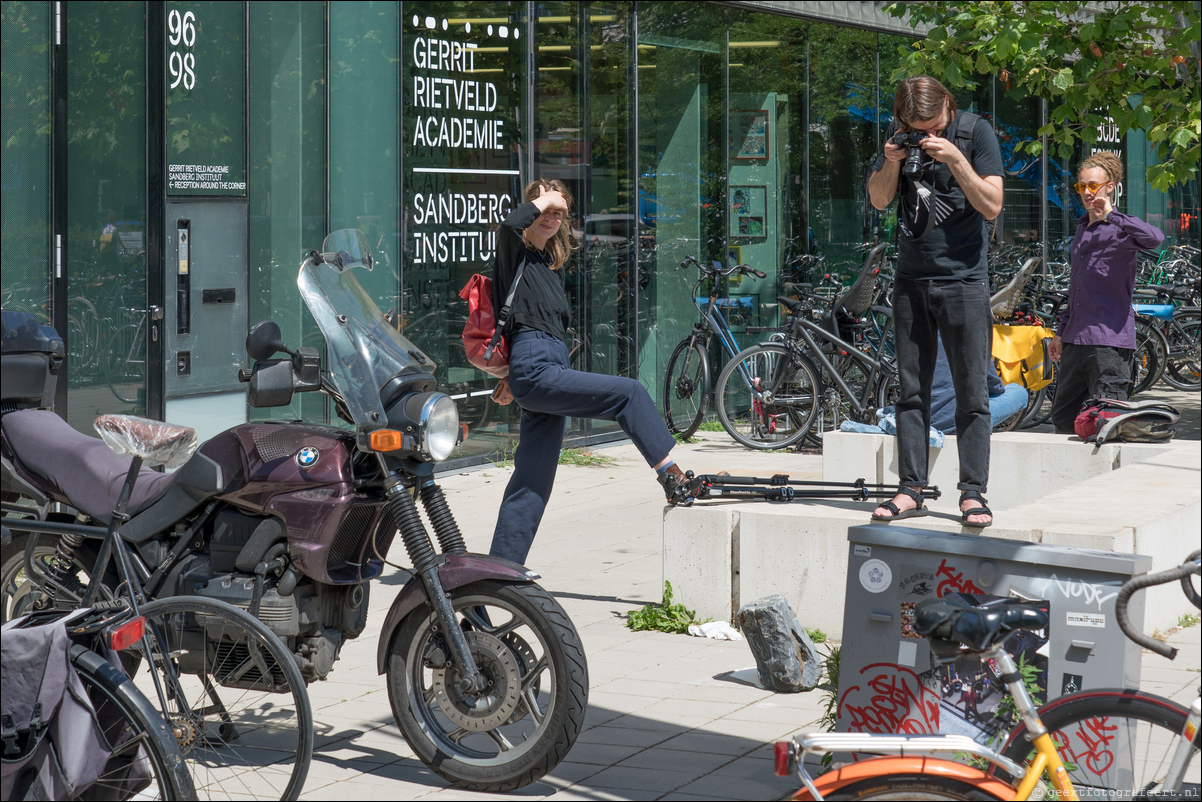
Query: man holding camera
(948, 169)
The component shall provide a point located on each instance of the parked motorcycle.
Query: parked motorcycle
(291, 521)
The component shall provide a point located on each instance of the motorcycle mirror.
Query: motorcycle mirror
(264, 341)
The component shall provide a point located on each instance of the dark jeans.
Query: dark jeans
(1085, 372)
(959, 312)
(548, 390)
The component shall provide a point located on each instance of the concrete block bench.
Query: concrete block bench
(1128, 498)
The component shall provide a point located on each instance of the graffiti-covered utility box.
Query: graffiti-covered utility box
(887, 679)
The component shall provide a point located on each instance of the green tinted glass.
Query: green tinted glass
(206, 98)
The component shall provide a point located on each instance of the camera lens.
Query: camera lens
(912, 168)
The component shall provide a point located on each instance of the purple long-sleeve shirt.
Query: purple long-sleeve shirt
(1098, 310)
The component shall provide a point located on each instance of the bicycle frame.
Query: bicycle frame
(1047, 758)
(805, 329)
(713, 321)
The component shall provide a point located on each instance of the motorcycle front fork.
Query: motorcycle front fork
(403, 508)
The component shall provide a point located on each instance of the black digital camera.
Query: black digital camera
(915, 158)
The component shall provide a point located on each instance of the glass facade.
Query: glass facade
(286, 184)
(682, 129)
(105, 238)
(25, 106)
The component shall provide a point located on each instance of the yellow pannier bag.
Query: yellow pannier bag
(1021, 355)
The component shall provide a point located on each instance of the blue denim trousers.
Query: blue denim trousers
(548, 392)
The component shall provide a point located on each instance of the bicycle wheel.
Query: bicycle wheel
(1118, 743)
(1150, 352)
(125, 364)
(1183, 368)
(1039, 407)
(235, 698)
(145, 761)
(910, 786)
(686, 388)
(767, 396)
(835, 407)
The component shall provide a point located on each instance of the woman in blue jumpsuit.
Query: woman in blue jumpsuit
(535, 236)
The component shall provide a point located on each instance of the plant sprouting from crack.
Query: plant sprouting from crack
(666, 616)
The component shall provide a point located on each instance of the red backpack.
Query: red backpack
(1104, 419)
(486, 348)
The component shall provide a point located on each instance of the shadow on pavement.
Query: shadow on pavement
(617, 756)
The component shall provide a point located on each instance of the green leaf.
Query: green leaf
(953, 74)
(1183, 137)
(1144, 116)
(1063, 79)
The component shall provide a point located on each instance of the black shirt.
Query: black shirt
(955, 248)
(539, 302)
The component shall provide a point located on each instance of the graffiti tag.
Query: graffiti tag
(892, 700)
(1092, 739)
(954, 580)
(1075, 588)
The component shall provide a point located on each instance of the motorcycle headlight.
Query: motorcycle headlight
(439, 426)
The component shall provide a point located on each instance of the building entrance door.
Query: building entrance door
(205, 289)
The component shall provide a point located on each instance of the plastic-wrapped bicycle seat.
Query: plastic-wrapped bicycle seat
(155, 442)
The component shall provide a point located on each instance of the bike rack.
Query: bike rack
(780, 487)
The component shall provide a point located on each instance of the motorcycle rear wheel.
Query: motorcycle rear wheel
(529, 717)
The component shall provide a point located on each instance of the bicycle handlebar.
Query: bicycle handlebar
(1182, 573)
(714, 271)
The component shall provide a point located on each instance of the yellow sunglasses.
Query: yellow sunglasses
(1094, 186)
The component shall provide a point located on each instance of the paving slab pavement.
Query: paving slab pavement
(662, 723)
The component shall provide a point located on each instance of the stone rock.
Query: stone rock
(784, 654)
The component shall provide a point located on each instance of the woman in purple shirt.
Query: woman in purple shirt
(1095, 338)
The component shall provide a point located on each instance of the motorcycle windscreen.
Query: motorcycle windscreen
(365, 351)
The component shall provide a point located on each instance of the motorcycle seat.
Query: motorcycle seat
(82, 468)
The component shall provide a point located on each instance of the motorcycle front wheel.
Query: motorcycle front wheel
(528, 717)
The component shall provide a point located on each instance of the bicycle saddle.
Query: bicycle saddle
(155, 442)
(952, 621)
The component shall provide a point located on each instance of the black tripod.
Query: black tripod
(781, 488)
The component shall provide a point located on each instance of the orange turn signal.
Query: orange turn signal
(386, 440)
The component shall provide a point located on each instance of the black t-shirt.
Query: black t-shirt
(539, 302)
(955, 248)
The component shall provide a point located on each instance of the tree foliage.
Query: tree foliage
(1131, 61)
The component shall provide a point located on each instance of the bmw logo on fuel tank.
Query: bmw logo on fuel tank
(307, 457)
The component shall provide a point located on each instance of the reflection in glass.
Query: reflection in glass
(106, 208)
(583, 66)
(768, 225)
(365, 136)
(25, 168)
(287, 185)
(842, 142)
(464, 161)
(681, 163)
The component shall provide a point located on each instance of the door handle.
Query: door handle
(156, 313)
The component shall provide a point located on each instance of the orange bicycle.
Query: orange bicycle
(1112, 744)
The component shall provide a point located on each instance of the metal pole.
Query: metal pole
(1043, 188)
(632, 273)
